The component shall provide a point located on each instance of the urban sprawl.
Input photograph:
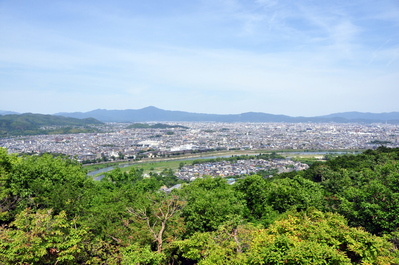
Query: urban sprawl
(116, 142)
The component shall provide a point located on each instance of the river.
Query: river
(103, 170)
(106, 169)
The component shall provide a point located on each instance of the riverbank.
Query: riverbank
(159, 164)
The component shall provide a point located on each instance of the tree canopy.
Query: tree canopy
(342, 211)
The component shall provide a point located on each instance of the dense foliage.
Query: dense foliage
(342, 211)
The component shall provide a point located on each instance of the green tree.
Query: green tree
(372, 201)
(48, 182)
(166, 177)
(307, 237)
(227, 245)
(255, 190)
(313, 237)
(159, 211)
(363, 188)
(296, 193)
(210, 202)
(41, 238)
(120, 178)
(8, 201)
(138, 254)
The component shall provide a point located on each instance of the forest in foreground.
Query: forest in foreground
(342, 211)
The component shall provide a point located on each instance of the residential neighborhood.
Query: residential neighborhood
(241, 167)
(117, 142)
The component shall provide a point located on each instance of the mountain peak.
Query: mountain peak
(150, 108)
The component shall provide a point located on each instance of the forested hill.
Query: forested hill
(343, 211)
(30, 124)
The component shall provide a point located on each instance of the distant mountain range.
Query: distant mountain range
(156, 115)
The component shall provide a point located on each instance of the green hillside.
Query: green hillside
(32, 124)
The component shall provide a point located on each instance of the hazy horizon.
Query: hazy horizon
(345, 112)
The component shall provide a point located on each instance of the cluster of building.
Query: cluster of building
(118, 142)
(240, 167)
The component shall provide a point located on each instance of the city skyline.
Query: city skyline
(220, 57)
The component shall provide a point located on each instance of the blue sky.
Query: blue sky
(299, 58)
